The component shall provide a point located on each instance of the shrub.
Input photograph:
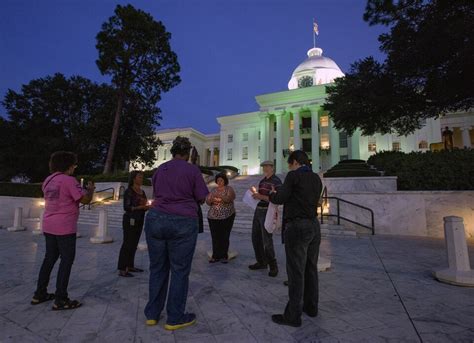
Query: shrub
(441, 170)
(351, 168)
(27, 190)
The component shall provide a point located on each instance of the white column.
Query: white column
(18, 221)
(459, 271)
(334, 141)
(466, 137)
(102, 234)
(265, 137)
(355, 145)
(296, 130)
(279, 143)
(315, 140)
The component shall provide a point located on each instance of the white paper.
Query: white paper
(249, 200)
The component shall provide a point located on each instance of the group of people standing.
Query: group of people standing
(171, 226)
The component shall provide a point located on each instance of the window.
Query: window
(245, 153)
(274, 145)
(274, 126)
(229, 154)
(292, 124)
(396, 146)
(306, 145)
(372, 146)
(245, 137)
(230, 138)
(259, 135)
(245, 170)
(344, 157)
(324, 121)
(325, 141)
(342, 139)
(164, 155)
(423, 144)
(306, 123)
(259, 151)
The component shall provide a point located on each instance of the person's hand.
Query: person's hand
(253, 190)
(257, 196)
(216, 200)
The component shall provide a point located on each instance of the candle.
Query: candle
(82, 182)
(254, 190)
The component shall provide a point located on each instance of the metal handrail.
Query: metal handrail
(101, 200)
(325, 198)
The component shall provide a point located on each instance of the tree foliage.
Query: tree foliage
(428, 70)
(134, 50)
(59, 113)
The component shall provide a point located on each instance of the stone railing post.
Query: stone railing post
(102, 234)
(459, 271)
(18, 221)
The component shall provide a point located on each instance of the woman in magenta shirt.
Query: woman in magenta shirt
(62, 195)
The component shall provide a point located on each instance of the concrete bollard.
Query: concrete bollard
(323, 263)
(102, 234)
(39, 230)
(459, 271)
(18, 221)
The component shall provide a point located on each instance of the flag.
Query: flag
(315, 28)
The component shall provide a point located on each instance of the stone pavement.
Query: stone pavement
(379, 289)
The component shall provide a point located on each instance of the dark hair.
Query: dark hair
(60, 161)
(299, 156)
(132, 176)
(222, 176)
(181, 146)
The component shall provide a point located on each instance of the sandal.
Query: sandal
(136, 270)
(67, 304)
(39, 300)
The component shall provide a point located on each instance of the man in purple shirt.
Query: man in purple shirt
(171, 228)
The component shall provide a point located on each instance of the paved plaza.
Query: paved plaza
(378, 289)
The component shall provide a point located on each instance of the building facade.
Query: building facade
(294, 119)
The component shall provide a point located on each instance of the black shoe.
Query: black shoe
(310, 313)
(136, 270)
(285, 283)
(280, 320)
(257, 266)
(273, 270)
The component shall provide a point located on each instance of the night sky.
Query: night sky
(229, 50)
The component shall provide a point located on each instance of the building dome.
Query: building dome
(315, 70)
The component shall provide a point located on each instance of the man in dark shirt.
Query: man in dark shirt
(300, 195)
(262, 240)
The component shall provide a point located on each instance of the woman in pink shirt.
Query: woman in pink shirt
(62, 195)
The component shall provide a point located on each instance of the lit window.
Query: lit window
(245, 137)
(229, 154)
(396, 146)
(343, 139)
(292, 124)
(372, 144)
(245, 153)
(230, 138)
(423, 145)
(325, 141)
(324, 121)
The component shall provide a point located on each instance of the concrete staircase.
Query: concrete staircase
(242, 223)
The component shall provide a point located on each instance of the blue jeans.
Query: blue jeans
(171, 243)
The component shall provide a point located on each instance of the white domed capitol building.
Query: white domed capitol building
(294, 119)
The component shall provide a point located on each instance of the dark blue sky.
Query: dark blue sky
(229, 50)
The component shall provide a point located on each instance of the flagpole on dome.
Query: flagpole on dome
(315, 32)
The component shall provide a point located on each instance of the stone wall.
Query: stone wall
(413, 213)
(377, 184)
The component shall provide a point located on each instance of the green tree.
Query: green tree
(427, 72)
(57, 113)
(134, 49)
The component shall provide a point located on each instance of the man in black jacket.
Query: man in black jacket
(300, 195)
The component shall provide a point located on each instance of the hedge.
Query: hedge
(351, 168)
(27, 190)
(441, 170)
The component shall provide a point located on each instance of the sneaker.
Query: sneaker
(257, 266)
(151, 322)
(188, 320)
